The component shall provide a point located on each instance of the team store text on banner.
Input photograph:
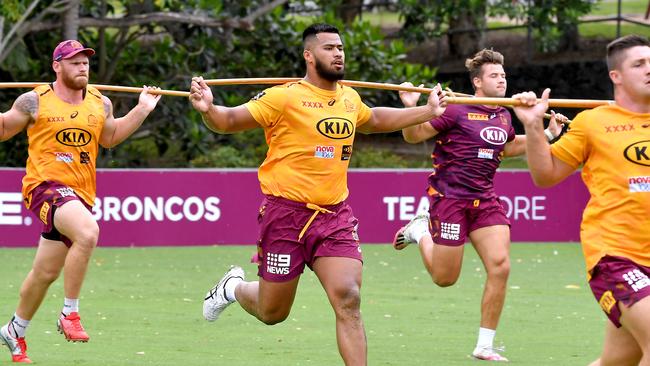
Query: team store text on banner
(207, 207)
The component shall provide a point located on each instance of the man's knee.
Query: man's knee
(444, 281)
(46, 275)
(87, 236)
(499, 268)
(347, 302)
(272, 317)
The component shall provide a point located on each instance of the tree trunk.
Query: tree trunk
(349, 9)
(71, 20)
(466, 35)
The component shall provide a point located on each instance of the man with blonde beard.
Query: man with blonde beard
(66, 121)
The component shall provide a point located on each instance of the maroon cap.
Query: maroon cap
(69, 48)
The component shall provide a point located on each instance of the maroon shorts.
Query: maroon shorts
(45, 199)
(282, 256)
(615, 279)
(453, 219)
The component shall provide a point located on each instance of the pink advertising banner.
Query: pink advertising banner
(206, 207)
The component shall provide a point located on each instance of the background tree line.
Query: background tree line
(166, 42)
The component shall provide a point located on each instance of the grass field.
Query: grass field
(142, 306)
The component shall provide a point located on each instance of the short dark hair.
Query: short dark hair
(616, 48)
(314, 29)
(479, 59)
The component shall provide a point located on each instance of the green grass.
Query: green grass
(610, 7)
(142, 306)
(608, 29)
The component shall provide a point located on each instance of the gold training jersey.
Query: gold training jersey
(309, 132)
(614, 146)
(63, 143)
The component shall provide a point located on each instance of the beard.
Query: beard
(329, 75)
(74, 83)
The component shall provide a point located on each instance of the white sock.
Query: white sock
(18, 326)
(485, 338)
(420, 230)
(230, 287)
(70, 306)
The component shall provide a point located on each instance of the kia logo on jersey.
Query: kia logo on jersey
(494, 135)
(335, 128)
(73, 137)
(638, 153)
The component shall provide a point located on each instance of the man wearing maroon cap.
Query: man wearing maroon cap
(66, 121)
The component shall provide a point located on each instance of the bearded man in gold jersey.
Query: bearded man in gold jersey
(66, 121)
(612, 144)
(305, 219)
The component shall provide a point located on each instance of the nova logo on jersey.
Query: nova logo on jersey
(638, 153)
(639, 184)
(494, 135)
(325, 152)
(485, 153)
(335, 128)
(65, 157)
(477, 117)
(73, 137)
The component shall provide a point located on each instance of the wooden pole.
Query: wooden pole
(508, 102)
(116, 88)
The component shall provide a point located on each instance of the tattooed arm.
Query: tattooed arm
(19, 116)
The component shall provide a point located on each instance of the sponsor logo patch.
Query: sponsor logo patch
(278, 263)
(336, 128)
(84, 157)
(494, 135)
(638, 153)
(637, 280)
(65, 157)
(607, 302)
(73, 137)
(56, 119)
(485, 153)
(324, 152)
(449, 231)
(44, 211)
(65, 192)
(74, 114)
(346, 152)
(477, 117)
(639, 184)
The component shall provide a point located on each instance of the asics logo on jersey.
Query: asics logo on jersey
(73, 137)
(74, 114)
(312, 104)
(494, 135)
(638, 153)
(335, 128)
(619, 128)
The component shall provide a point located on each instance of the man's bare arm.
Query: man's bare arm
(21, 114)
